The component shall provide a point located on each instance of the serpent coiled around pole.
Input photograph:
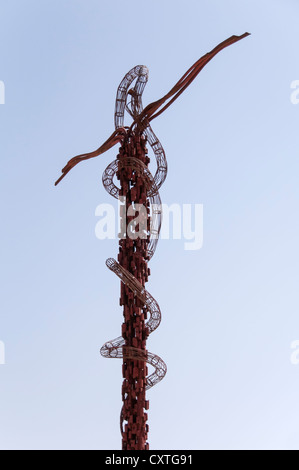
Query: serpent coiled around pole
(118, 348)
(131, 168)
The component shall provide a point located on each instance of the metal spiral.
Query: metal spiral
(116, 348)
(132, 161)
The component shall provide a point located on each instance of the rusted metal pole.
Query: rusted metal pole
(133, 256)
(138, 242)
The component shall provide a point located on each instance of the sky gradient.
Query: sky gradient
(230, 311)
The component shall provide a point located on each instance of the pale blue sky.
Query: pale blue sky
(229, 311)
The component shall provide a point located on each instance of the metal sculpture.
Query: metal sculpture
(138, 241)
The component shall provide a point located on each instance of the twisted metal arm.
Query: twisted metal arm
(132, 164)
(142, 117)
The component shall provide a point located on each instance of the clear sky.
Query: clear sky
(230, 311)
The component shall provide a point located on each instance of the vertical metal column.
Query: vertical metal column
(133, 257)
(138, 186)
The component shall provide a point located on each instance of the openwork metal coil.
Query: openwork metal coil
(131, 168)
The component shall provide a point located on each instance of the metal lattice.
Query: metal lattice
(138, 186)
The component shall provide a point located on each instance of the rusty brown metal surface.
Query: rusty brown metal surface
(142, 117)
(138, 186)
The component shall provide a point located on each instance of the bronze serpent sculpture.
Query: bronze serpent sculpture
(136, 247)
